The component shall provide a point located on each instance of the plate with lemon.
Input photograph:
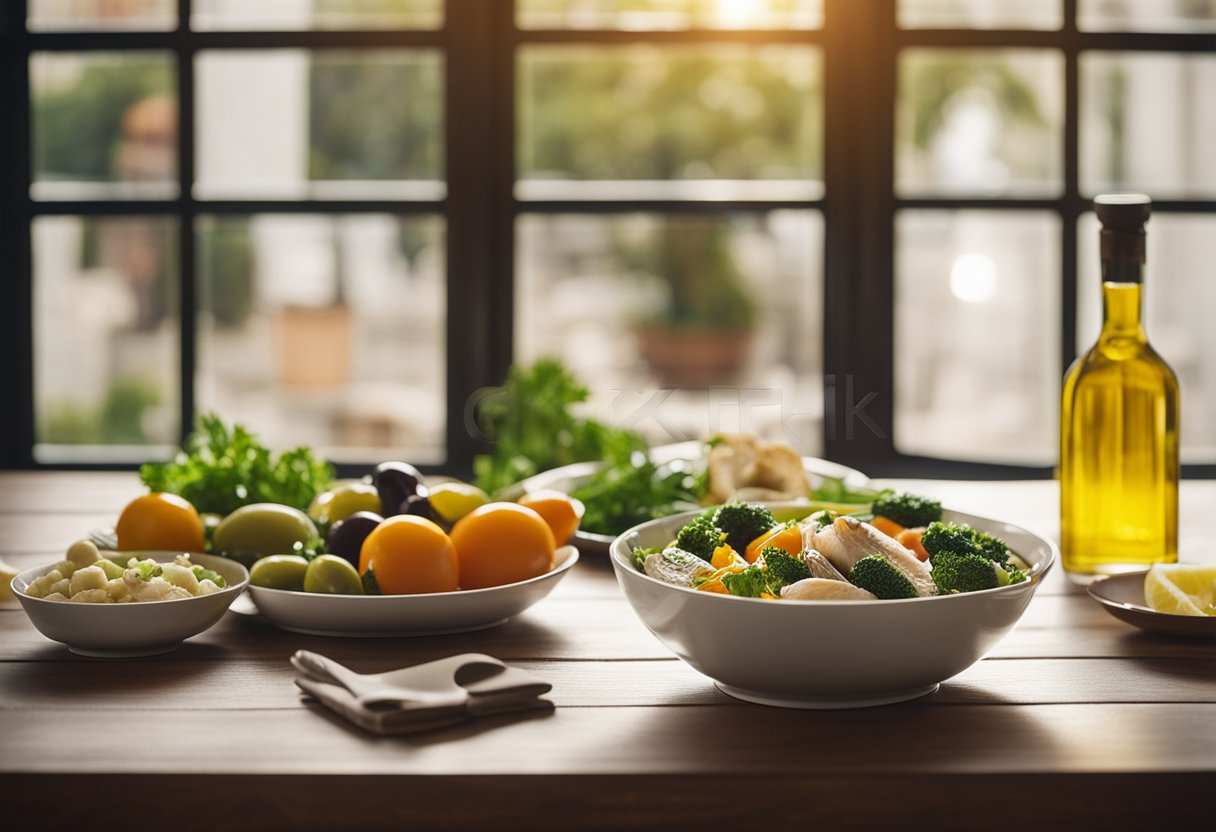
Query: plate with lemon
(1176, 599)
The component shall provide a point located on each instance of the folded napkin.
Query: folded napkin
(423, 697)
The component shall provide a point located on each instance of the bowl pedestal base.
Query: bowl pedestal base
(778, 701)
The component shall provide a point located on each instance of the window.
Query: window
(860, 227)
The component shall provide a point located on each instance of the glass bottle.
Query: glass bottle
(1119, 422)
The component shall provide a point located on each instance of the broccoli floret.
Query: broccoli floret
(776, 568)
(749, 583)
(700, 537)
(951, 538)
(964, 573)
(907, 510)
(878, 575)
(743, 523)
(1010, 574)
(782, 567)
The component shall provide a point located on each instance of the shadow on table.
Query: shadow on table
(53, 675)
(439, 736)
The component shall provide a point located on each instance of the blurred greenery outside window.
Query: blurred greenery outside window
(671, 121)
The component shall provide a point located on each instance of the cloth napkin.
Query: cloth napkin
(422, 697)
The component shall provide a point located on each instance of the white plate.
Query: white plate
(1123, 597)
(407, 615)
(570, 477)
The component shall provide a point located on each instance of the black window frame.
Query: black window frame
(859, 43)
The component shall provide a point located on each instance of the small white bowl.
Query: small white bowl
(430, 614)
(829, 654)
(140, 628)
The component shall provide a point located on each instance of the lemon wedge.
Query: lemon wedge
(7, 573)
(1181, 589)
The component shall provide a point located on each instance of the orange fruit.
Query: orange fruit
(160, 521)
(410, 555)
(786, 538)
(501, 543)
(561, 511)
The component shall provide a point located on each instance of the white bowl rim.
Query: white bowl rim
(26, 576)
(567, 563)
(620, 560)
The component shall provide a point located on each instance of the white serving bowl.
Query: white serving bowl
(428, 614)
(829, 654)
(139, 628)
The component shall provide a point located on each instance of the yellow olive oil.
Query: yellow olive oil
(1119, 424)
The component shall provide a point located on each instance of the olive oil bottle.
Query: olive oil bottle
(1119, 422)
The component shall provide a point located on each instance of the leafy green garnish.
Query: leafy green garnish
(632, 491)
(370, 585)
(835, 491)
(638, 556)
(221, 470)
(533, 426)
(202, 574)
(147, 570)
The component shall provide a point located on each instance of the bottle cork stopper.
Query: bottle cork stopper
(1123, 212)
(1123, 217)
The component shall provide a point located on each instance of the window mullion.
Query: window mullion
(859, 83)
(187, 286)
(16, 289)
(478, 256)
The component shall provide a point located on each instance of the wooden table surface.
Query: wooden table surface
(1075, 717)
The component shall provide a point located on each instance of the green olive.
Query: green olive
(261, 529)
(351, 498)
(279, 572)
(332, 575)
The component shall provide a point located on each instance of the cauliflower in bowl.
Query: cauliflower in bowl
(87, 577)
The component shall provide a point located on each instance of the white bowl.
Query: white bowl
(407, 615)
(829, 654)
(140, 628)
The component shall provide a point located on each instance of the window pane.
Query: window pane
(326, 330)
(1147, 121)
(674, 122)
(125, 103)
(78, 15)
(293, 123)
(981, 14)
(316, 14)
(725, 310)
(985, 123)
(1147, 15)
(977, 345)
(106, 333)
(1179, 296)
(669, 14)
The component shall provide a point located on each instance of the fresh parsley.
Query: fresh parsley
(221, 469)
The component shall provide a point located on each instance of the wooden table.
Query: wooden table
(1075, 717)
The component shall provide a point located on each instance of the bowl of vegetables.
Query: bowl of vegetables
(126, 604)
(870, 609)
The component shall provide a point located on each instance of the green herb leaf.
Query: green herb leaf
(222, 469)
(202, 574)
(532, 422)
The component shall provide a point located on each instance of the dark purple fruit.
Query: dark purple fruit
(418, 505)
(395, 481)
(346, 537)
